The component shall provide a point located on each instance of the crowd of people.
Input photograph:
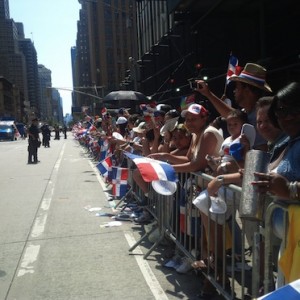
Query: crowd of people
(191, 139)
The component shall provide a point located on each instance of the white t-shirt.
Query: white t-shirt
(226, 145)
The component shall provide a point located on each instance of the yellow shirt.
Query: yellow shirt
(290, 260)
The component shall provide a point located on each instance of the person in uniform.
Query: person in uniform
(33, 141)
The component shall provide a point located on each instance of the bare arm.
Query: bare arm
(208, 145)
(222, 108)
(156, 141)
(170, 158)
(232, 178)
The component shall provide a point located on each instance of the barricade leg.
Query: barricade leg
(123, 198)
(142, 239)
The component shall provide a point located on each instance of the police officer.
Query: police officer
(33, 141)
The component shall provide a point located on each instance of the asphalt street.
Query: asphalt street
(52, 244)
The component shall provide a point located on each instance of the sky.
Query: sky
(52, 26)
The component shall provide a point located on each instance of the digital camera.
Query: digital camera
(194, 85)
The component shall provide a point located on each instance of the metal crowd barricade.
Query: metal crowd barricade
(158, 207)
(179, 220)
(222, 264)
(269, 249)
(155, 206)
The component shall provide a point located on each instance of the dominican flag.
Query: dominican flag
(148, 109)
(232, 67)
(104, 111)
(290, 292)
(104, 166)
(152, 169)
(104, 151)
(119, 181)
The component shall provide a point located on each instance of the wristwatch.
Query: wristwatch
(221, 179)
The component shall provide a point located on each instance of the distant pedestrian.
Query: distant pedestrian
(46, 132)
(56, 129)
(33, 142)
(65, 129)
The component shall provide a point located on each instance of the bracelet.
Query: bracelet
(293, 190)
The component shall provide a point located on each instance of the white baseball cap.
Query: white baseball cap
(195, 109)
(163, 187)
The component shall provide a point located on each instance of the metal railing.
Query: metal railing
(232, 273)
(181, 222)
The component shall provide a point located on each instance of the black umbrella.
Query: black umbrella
(125, 95)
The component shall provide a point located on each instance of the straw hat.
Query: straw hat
(255, 75)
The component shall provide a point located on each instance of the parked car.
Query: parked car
(7, 132)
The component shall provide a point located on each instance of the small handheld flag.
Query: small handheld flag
(104, 166)
(119, 181)
(232, 65)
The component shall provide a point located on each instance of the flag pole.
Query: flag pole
(225, 87)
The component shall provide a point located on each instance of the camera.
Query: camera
(194, 85)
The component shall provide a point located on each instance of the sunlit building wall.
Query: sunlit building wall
(106, 39)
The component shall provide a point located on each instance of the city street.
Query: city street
(52, 245)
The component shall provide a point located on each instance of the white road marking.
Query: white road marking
(41, 219)
(145, 268)
(149, 276)
(32, 251)
(30, 256)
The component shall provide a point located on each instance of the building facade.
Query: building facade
(57, 112)
(106, 39)
(12, 60)
(19, 70)
(45, 82)
(195, 38)
(26, 46)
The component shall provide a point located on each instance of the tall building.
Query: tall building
(82, 68)
(4, 9)
(57, 112)
(12, 61)
(106, 38)
(9, 101)
(26, 46)
(45, 81)
(75, 102)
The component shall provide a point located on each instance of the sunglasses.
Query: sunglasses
(284, 111)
